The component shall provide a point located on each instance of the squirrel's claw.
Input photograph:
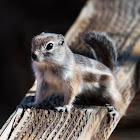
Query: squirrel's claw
(112, 113)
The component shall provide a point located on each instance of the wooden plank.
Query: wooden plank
(121, 21)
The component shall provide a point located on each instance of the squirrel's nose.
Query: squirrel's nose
(34, 56)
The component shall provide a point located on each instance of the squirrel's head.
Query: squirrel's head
(48, 48)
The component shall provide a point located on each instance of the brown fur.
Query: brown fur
(105, 78)
(38, 41)
(77, 80)
(90, 77)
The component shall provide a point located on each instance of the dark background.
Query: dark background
(20, 21)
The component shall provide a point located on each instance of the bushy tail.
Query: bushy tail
(104, 48)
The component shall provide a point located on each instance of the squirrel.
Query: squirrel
(59, 70)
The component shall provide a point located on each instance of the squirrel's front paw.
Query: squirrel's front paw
(65, 108)
(32, 105)
(112, 113)
(61, 109)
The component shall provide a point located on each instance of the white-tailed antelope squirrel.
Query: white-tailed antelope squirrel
(59, 70)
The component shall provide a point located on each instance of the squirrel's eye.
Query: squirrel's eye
(49, 46)
(62, 43)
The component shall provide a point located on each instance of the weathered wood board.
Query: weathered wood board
(120, 19)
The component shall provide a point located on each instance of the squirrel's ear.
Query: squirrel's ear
(61, 38)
